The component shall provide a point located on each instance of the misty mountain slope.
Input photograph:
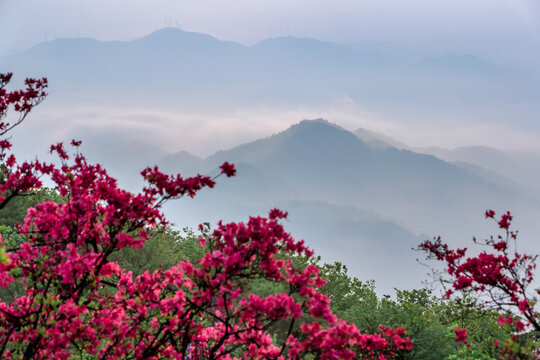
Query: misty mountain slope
(164, 60)
(453, 63)
(67, 49)
(315, 151)
(123, 158)
(506, 169)
(378, 140)
(370, 227)
(480, 155)
(302, 148)
(359, 239)
(301, 49)
(316, 160)
(186, 58)
(516, 168)
(349, 201)
(386, 52)
(307, 59)
(505, 181)
(356, 238)
(180, 162)
(252, 186)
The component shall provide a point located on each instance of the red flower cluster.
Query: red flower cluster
(461, 336)
(499, 277)
(22, 100)
(76, 301)
(228, 169)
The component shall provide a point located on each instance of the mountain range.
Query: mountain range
(349, 200)
(185, 68)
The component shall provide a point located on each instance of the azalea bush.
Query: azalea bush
(73, 300)
(500, 277)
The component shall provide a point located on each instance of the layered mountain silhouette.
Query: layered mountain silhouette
(519, 169)
(347, 199)
(323, 161)
(174, 65)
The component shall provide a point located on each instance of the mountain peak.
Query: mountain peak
(174, 37)
(321, 132)
(318, 135)
(171, 32)
(319, 122)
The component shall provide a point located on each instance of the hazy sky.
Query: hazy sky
(506, 28)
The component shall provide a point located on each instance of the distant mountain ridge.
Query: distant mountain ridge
(174, 64)
(325, 162)
(513, 170)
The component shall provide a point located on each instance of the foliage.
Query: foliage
(15, 210)
(164, 248)
(430, 322)
(74, 300)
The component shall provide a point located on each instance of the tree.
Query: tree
(77, 302)
(15, 210)
(430, 321)
(500, 277)
(164, 248)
